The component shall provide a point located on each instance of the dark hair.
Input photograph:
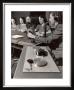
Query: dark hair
(53, 14)
(28, 16)
(23, 19)
(56, 19)
(14, 19)
(43, 18)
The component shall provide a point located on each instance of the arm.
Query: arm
(37, 31)
(37, 28)
(48, 30)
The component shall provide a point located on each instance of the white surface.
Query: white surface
(19, 74)
(17, 36)
(30, 54)
(66, 80)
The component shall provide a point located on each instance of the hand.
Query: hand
(49, 31)
(39, 34)
(30, 35)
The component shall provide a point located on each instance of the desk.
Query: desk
(31, 54)
(21, 41)
(20, 74)
(25, 41)
(28, 41)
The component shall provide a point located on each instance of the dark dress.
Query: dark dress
(30, 27)
(56, 37)
(46, 37)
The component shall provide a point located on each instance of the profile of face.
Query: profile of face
(28, 19)
(21, 20)
(12, 21)
(51, 15)
(51, 18)
(41, 20)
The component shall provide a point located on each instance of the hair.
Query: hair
(28, 16)
(43, 17)
(56, 18)
(53, 14)
(14, 19)
(23, 19)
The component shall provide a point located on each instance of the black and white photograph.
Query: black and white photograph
(37, 44)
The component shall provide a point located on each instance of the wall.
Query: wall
(18, 14)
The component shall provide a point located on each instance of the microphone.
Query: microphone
(45, 29)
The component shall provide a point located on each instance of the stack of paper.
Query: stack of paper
(17, 36)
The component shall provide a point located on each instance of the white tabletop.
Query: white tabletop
(31, 54)
(20, 74)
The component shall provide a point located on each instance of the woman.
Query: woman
(29, 24)
(42, 28)
(30, 27)
(52, 21)
(56, 28)
(22, 25)
(13, 24)
(43, 31)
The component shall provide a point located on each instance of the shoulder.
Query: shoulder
(59, 26)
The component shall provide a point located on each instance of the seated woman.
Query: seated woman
(52, 21)
(42, 28)
(22, 25)
(13, 24)
(43, 31)
(29, 25)
(56, 33)
(55, 26)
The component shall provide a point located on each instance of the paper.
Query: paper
(17, 36)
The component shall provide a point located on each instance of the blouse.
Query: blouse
(22, 27)
(42, 29)
(14, 27)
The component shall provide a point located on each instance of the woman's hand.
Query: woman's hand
(48, 32)
(30, 35)
(39, 34)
